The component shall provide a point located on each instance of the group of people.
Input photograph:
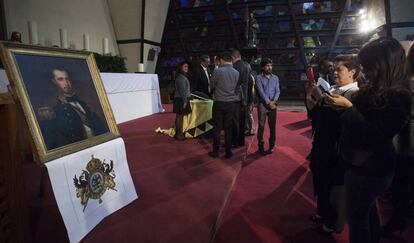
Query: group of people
(363, 139)
(362, 128)
(231, 86)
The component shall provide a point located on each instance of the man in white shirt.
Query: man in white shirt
(315, 92)
(326, 70)
(202, 76)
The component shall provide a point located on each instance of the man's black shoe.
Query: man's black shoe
(270, 150)
(261, 151)
(213, 154)
(179, 137)
(316, 218)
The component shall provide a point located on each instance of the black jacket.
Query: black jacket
(68, 128)
(404, 141)
(244, 72)
(250, 85)
(201, 80)
(324, 157)
(368, 130)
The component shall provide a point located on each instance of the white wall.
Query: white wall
(131, 53)
(402, 11)
(78, 17)
(155, 16)
(126, 17)
(150, 65)
(401, 33)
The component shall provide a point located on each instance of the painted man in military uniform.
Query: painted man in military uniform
(74, 121)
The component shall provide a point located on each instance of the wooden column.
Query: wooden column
(14, 223)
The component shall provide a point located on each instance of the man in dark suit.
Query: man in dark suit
(202, 76)
(250, 103)
(73, 119)
(240, 116)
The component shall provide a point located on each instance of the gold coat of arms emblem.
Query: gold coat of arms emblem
(93, 182)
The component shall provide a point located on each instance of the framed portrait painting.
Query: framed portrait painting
(62, 97)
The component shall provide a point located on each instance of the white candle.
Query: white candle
(86, 42)
(63, 38)
(141, 67)
(105, 45)
(33, 37)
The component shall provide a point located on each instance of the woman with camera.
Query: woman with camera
(370, 120)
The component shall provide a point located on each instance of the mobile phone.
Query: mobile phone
(323, 91)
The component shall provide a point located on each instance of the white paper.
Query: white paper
(80, 220)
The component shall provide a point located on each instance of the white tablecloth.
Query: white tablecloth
(131, 95)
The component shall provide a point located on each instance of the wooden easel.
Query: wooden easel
(14, 148)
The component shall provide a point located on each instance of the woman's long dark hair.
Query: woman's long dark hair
(383, 61)
(410, 69)
(410, 62)
(383, 64)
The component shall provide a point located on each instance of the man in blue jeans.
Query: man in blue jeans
(267, 86)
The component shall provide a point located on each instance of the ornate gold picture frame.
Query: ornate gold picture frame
(62, 97)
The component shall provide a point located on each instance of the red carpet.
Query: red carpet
(273, 196)
(184, 194)
(181, 190)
